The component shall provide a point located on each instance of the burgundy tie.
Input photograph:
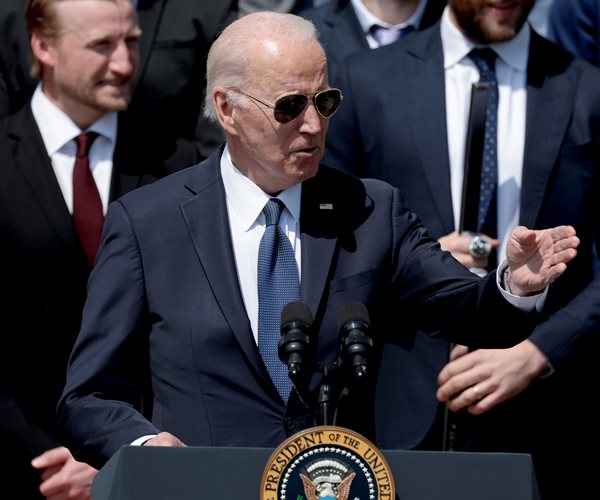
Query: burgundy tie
(88, 215)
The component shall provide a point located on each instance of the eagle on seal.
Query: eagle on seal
(327, 490)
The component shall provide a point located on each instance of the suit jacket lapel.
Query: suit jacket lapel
(346, 34)
(427, 118)
(206, 216)
(31, 157)
(550, 97)
(208, 223)
(319, 220)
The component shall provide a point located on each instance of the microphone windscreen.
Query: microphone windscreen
(353, 311)
(296, 311)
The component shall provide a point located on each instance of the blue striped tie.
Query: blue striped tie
(278, 284)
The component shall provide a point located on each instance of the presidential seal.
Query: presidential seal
(327, 463)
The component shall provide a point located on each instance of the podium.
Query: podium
(212, 473)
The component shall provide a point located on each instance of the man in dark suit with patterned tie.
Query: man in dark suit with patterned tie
(405, 122)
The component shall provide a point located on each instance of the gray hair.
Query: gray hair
(230, 56)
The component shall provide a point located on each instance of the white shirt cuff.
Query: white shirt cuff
(525, 304)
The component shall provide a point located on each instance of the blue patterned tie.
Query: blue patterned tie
(278, 284)
(485, 59)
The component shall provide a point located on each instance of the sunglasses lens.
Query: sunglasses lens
(289, 107)
(327, 102)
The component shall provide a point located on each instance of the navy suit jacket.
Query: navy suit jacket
(164, 299)
(341, 34)
(45, 275)
(392, 126)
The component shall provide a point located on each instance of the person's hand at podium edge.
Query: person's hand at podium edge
(62, 476)
(164, 439)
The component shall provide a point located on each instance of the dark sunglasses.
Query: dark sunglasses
(289, 107)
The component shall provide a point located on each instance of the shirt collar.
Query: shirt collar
(514, 53)
(367, 19)
(247, 200)
(57, 129)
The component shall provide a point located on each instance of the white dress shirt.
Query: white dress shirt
(511, 74)
(245, 202)
(58, 133)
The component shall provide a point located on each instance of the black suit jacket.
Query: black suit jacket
(16, 84)
(164, 119)
(392, 126)
(44, 277)
(341, 34)
(166, 288)
(165, 116)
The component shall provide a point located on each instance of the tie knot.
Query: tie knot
(485, 60)
(272, 211)
(84, 143)
(386, 35)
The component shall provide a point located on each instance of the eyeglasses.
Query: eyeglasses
(289, 107)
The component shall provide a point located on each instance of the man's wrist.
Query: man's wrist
(142, 440)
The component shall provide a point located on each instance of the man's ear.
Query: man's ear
(43, 49)
(224, 109)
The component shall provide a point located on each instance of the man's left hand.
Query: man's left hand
(537, 258)
(482, 379)
(63, 477)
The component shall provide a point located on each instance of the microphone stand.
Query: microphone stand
(328, 394)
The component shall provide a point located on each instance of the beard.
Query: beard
(482, 26)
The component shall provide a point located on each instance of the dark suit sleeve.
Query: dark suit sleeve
(16, 84)
(4, 101)
(571, 325)
(444, 298)
(575, 25)
(106, 376)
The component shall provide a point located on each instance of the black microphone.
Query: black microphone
(354, 324)
(294, 347)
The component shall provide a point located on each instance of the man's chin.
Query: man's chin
(114, 103)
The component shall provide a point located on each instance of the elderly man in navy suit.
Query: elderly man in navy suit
(177, 298)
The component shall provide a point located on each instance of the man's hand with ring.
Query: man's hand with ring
(459, 245)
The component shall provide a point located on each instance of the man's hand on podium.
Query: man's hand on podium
(164, 439)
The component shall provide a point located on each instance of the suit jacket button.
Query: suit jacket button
(289, 423)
